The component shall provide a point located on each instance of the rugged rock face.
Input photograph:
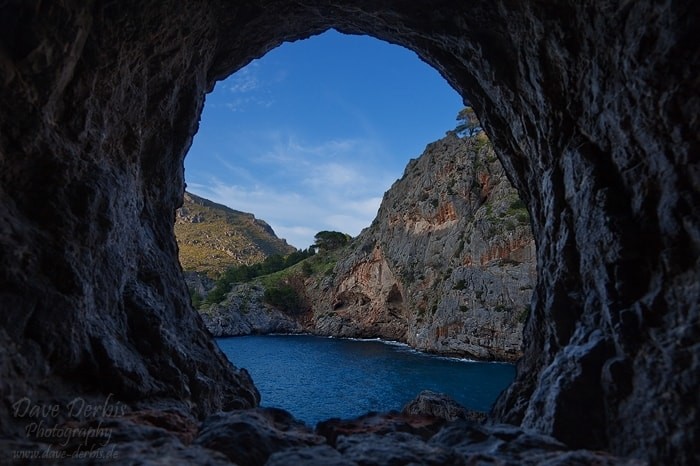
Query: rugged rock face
(269, 436)
(448, 265)
(244, 312)
(198, 283)
(591, 108)
(439, 405)
(212, 237)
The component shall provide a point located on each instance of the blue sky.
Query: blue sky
(310, 136)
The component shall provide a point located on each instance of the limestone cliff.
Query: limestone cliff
(448, 265)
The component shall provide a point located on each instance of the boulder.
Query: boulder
(429, 403)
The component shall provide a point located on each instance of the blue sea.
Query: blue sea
(318, 378)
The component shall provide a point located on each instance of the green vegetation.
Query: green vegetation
(460, 285)
(286, 289)
(517, 204)
(246, 273)
(522, 316)
(482, 141)
(467, 122)
(218, 293)
(330, 240)
(286, 297)
(508, 218)
(320, 264)
(307, 269)
(518, 210)
(463, 308)
(282, 277)
(197, 299)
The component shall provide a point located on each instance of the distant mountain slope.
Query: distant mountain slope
(213, 237)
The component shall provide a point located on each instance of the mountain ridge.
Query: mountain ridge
(212, 237)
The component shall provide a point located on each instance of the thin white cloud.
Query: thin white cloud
(302, 187)
(240, 104)
(236, 170)
(366, 207)
(250, 88)
(346, 223)
(245, 80)
(334, 174)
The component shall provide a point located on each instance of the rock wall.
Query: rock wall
(447, 266)
(99, 104)
(592, 109)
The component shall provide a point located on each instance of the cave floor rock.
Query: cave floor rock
(271, 436)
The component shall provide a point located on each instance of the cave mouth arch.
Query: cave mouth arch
(100, 102)
(309, 136)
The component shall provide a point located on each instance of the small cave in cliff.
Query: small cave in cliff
(394, 297)
(593, 112)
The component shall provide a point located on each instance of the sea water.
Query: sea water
(318, 378)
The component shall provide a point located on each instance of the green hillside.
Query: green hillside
(213, 237)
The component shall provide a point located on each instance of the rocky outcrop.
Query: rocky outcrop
(198, 283)
(447, 266)
(592, 110)
(248, 438)
(244, 312)
(439, 405)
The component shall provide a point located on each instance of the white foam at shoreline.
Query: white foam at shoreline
(399, 344)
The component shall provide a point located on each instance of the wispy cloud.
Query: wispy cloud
(249, 87)
(306, 187)
(242, 103)
(246, 80)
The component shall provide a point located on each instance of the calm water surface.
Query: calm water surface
(317, 378)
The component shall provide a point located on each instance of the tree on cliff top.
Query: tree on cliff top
(330, 240)
(467, 122)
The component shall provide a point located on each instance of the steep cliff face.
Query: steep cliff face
(592, 109)
(212, 237)
(448, 265)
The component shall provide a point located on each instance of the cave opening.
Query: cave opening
(309, 136)
(345, 121)
(591, 111)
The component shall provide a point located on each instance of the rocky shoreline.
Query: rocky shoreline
(222, 322)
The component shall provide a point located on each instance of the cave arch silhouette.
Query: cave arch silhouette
(592, 111)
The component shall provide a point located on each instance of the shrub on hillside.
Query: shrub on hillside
(287, 295)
